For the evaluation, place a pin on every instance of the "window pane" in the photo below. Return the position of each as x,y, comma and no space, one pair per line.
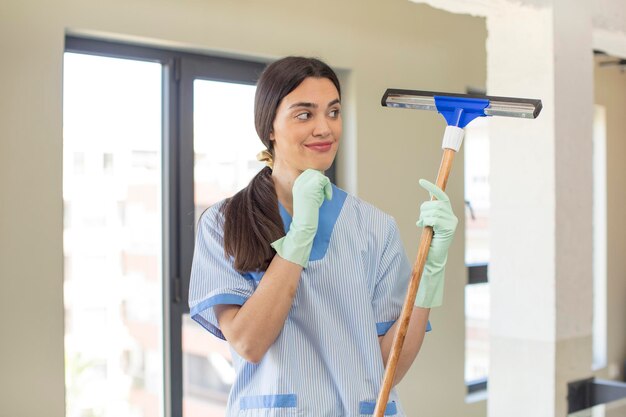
476,148
225,141
112,237
225,148
476,331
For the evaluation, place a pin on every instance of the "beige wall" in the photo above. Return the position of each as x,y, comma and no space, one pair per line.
610,92
380,44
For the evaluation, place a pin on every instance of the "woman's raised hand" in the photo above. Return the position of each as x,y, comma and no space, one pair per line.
309,191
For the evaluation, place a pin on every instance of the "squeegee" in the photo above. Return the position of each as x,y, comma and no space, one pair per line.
458,110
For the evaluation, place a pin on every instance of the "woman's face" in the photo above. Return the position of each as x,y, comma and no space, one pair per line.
307,127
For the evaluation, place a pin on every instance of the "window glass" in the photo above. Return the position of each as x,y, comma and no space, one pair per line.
112,237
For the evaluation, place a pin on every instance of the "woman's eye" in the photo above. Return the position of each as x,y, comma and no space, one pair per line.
303,116
334,113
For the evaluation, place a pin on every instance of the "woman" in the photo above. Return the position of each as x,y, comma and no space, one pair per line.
304,281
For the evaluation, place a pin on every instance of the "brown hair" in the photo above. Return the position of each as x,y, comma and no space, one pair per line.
251,217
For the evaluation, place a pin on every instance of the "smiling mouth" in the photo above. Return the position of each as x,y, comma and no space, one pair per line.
320,147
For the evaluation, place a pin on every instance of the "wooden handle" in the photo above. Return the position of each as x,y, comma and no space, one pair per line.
409,301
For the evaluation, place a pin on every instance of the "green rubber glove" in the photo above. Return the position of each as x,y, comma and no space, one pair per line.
439,215
309,191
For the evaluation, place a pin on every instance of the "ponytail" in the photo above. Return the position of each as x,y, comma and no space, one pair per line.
251,222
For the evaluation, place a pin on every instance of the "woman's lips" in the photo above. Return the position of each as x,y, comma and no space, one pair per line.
320,146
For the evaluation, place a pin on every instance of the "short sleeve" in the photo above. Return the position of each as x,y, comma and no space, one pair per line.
214,280
393,275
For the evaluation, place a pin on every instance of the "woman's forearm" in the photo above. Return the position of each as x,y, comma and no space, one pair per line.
252,328
412,342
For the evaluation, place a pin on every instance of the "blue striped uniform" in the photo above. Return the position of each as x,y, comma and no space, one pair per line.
326,362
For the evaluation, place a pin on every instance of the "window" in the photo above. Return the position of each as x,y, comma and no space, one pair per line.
599,239
147,146
79,163
476,148
112,107
208,376
107,162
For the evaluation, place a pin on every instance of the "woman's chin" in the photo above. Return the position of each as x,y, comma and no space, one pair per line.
321,167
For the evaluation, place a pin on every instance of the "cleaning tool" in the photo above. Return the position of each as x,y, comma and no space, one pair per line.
458,110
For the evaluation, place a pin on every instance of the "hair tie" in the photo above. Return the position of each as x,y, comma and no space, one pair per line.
266,156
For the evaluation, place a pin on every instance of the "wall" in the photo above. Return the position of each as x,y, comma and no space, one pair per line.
393,43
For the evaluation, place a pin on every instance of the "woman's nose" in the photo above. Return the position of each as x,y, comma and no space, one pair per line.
322,128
